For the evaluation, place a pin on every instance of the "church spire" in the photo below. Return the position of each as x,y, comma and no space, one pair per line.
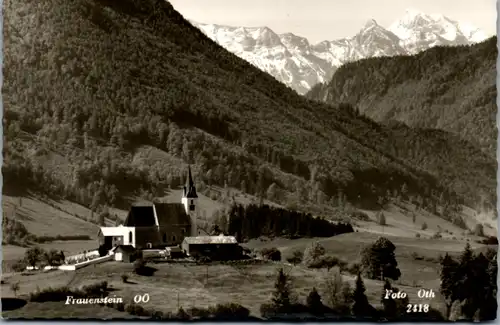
189,188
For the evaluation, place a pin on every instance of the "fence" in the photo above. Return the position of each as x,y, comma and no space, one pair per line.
77,266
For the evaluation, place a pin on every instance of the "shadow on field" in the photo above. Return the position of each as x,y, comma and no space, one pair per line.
146,271
12,303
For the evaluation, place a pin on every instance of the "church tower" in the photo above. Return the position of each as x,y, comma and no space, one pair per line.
189,198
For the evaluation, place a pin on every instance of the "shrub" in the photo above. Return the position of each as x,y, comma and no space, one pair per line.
424,226
124,278
417,235
96,289
140,268
312,253
360,216
327,261
353,268
54,294
490,240
229,310
120,306
137,310
139,264
272,254
20,266
437,235
416,257
157,315
103,251
296,257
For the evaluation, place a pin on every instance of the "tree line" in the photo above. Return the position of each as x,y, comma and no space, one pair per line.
253,221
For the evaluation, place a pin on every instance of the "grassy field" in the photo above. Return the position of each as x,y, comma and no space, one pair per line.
186,285
423,273
57,310
42,219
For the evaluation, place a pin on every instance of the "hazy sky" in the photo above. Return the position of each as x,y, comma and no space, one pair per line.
320,20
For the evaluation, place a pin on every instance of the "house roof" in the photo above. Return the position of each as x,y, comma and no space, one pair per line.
111,231
171,214
211,240
140,216
125,248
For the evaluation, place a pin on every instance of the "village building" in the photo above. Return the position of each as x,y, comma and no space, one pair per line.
125,253
213,246
156,225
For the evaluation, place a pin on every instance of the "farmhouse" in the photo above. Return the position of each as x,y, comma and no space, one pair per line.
156,225
213,246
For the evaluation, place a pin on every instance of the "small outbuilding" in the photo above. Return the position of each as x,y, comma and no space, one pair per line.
174,252
218,247
125,253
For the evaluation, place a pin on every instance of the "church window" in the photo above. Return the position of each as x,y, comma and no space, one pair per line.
183,231
149,245
191,207
130,237
173,238
192,202
164,237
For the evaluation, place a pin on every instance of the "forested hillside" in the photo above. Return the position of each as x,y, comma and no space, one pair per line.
90,84
447,88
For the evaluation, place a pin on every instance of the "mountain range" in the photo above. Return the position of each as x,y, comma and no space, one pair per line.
300,65
448,88
128,93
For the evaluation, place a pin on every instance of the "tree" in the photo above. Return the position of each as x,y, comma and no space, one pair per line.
424,226
479,230
281,295
103,251
53,257
271,192
360,306
389,304
33,256
413,217
469,285
314,302
381,219
312,253
379,260
15,288
333,287
448,285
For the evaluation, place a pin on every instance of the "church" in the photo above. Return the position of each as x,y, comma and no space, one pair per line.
156,225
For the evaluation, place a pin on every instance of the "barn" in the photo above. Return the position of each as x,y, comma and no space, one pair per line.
216,247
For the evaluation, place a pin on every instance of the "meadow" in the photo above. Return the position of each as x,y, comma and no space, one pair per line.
186,285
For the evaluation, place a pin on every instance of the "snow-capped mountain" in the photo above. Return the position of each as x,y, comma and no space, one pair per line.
418,31
300,65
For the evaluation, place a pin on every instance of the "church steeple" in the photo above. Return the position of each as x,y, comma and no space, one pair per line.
189,188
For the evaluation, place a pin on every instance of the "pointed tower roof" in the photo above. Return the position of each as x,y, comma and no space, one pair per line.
189,187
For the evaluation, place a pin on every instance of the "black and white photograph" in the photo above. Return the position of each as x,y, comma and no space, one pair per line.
249,161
